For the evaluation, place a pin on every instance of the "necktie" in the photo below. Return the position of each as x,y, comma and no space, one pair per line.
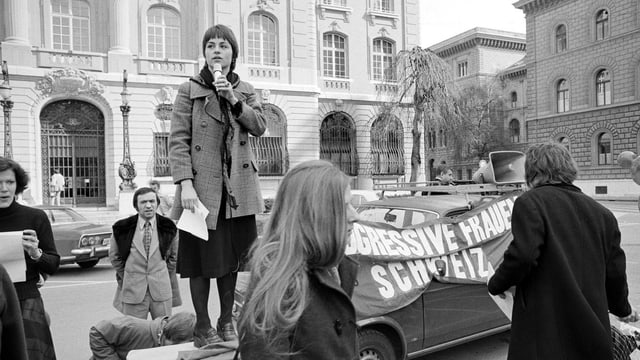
146,238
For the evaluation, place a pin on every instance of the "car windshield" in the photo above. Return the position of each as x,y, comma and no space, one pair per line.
396,216
57,216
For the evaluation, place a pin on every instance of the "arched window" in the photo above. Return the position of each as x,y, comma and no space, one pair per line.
163,33
334,56
387,146
338,142
71,25
565,141
602,24
562,96
603,88
514,99
440,138
270,149
514,131
382,65
561,38
604,149
263,40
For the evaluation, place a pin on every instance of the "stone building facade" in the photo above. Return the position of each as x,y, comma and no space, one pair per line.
489,57
583,82
317,66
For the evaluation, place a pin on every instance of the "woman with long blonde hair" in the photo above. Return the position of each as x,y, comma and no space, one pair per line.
299,301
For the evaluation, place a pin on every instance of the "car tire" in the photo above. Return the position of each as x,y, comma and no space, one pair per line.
374,345
88,264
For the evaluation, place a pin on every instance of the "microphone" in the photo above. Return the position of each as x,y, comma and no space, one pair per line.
217,71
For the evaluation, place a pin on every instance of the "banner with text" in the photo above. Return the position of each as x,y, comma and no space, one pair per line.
398,264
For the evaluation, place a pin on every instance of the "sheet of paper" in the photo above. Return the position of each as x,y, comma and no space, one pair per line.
194,222
12,255
504,303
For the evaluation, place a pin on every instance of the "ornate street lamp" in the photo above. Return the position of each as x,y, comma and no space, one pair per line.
126,170
7,105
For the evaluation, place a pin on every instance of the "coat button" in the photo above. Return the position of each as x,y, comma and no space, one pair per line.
203,124
338,326
194,171
245,165
198,147
243,142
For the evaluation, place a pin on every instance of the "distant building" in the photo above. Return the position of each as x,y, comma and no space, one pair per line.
583,82
493,58
318,67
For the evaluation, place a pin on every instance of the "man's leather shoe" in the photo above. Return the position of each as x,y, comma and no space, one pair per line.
210,337
227,332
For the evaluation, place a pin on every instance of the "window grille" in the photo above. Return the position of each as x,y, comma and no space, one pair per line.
270,149
463,69
161,154
338,143
387,146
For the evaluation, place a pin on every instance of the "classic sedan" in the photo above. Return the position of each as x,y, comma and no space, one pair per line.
77,239
446,314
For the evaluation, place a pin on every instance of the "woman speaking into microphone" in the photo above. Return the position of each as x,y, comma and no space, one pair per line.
212,164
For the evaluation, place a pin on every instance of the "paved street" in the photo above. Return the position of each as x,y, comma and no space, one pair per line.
77,298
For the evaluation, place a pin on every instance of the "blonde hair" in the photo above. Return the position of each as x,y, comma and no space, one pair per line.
307,230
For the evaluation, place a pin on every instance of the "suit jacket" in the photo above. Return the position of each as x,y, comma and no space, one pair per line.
326,330
569,271
196,141
136,273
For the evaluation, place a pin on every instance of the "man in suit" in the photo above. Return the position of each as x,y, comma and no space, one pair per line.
144,251
165,204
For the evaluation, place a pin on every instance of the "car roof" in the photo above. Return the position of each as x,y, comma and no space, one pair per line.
441,204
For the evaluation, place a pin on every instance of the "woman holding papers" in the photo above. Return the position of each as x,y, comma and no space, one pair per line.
212,164
299,299
40,255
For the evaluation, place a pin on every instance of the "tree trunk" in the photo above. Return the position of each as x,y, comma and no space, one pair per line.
416,133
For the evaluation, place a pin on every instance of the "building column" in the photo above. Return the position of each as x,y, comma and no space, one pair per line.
204,22
119,56
16,48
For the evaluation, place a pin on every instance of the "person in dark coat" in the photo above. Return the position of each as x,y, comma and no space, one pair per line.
566,263
40,256
13,345
299,301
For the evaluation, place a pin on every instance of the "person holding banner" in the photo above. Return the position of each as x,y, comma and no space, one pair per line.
299,301
40,256
212,164
566,263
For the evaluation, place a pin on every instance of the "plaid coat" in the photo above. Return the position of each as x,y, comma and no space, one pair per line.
195,149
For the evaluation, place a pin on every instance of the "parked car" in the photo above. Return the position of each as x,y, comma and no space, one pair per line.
77,239
446,314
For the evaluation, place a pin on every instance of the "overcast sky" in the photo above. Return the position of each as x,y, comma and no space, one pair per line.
442,19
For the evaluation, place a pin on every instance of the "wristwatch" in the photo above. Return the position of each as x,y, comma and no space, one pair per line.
37,257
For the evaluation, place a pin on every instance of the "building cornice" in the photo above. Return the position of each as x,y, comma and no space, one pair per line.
480,37
533,6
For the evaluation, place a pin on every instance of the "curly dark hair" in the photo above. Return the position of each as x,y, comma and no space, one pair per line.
22,178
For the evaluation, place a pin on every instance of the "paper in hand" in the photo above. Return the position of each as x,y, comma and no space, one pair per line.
194,221
12,255
504,303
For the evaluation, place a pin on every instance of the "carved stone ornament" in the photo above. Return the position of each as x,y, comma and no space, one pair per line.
69,81
265,95
264,4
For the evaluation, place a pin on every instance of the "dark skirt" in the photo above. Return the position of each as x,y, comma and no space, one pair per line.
225,252
36,330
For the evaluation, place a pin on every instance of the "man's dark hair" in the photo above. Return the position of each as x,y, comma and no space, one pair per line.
22,178
179,327
154,182
142,191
